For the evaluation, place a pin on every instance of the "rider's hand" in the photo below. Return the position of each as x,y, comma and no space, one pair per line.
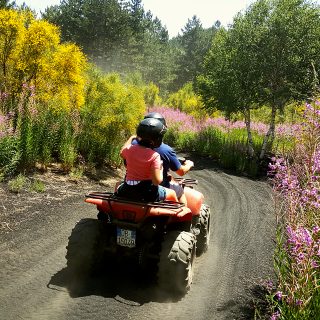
190,163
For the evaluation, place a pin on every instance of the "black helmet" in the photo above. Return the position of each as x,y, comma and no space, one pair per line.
151,131
156,115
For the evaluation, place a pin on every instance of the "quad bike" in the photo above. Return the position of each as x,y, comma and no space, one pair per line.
164,235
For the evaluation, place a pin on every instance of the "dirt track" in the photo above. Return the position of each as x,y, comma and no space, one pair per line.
34,280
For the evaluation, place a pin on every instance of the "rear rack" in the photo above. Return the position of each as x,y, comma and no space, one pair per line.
109,196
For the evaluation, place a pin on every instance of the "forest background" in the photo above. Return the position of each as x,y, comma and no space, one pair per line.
75,83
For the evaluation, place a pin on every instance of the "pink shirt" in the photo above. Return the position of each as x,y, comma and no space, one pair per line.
140,160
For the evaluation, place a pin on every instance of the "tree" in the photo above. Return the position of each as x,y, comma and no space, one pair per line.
194,44
224,86
119,36
291,48
11,31
265,58
7,4
32,56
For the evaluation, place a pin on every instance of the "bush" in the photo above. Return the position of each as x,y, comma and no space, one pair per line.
187,101
296,179
110,114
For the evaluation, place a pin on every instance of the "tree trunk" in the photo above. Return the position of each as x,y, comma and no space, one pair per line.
269,137
247,119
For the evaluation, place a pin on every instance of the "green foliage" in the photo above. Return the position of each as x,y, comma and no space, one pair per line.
67,153
187,101
291,114
37,186
9,155
216,84
119,36
76,173
110,114
268,57
44,134
151,95
5,4
17,184
228,149
21,182
194,44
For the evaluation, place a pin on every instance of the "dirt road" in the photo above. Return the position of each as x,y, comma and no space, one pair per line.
34,280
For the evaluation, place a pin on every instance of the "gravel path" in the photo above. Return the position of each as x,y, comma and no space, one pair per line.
35,283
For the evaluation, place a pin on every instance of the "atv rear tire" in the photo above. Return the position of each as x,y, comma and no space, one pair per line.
176,261
204,235
84,248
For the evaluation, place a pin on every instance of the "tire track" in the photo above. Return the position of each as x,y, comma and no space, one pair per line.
240,253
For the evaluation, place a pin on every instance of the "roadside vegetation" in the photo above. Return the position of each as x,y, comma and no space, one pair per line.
296,295
73,88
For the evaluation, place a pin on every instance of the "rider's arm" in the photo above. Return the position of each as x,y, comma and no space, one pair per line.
157,170
127,144
156,175
184,168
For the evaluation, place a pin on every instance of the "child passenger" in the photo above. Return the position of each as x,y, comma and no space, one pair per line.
143,164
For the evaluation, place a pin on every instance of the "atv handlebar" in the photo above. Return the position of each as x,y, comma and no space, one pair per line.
185,181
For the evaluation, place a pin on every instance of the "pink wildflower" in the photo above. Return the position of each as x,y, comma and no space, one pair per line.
275,315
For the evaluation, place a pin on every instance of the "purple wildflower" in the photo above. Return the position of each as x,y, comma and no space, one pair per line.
269,285
275,315
278,295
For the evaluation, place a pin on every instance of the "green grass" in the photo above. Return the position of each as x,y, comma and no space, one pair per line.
37,186
17,184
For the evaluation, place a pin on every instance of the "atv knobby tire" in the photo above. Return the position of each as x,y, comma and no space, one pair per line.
176,261
204,236
84,248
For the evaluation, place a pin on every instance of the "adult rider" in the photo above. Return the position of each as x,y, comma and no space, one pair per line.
170,162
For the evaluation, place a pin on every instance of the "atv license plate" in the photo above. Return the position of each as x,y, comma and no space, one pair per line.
126,238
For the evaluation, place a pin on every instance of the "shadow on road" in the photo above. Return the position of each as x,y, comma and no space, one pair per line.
255,304
125,283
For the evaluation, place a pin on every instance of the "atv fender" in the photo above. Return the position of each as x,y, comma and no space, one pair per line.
138,210
194,200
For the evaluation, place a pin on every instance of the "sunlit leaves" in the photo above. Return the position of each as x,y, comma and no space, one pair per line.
186,100
64,78
38,44
31,53
11,32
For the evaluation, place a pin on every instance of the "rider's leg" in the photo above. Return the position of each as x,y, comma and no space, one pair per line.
183,199
178,188
171,195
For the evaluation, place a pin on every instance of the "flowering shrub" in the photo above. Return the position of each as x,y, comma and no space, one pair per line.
6,128
9,155
187,101
185,122
297,259
110,114
297,178
224,140
31,53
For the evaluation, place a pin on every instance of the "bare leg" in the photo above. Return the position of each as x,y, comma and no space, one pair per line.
183,199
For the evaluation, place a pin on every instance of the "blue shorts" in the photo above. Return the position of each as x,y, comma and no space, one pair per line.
162,193
178,188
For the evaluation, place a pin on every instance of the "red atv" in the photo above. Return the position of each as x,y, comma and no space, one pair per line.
165,235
